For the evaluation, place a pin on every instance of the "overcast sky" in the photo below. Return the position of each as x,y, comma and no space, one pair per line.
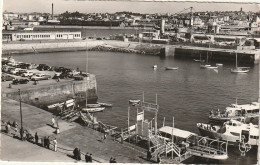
61,6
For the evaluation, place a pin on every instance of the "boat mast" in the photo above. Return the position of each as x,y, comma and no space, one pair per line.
236,59
87,74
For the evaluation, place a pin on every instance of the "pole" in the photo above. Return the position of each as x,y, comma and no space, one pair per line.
172,133
143,96
21,114
163,121
128,120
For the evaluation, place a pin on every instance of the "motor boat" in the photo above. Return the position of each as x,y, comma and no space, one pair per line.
171,68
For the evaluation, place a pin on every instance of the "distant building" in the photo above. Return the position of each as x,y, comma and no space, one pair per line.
22,35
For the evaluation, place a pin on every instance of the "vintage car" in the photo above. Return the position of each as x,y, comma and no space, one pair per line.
38,77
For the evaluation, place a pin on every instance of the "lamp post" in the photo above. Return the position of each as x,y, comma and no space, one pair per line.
21,114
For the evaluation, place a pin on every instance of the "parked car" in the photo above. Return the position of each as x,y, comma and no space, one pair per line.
6,77
15,71
20,81
43,67
40,77
78,78
21,71
27,74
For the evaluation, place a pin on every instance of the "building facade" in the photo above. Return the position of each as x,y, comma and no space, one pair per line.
22,35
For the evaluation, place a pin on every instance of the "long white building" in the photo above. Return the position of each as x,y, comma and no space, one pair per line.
42,35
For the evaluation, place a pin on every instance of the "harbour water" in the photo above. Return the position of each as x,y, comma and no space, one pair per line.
188,93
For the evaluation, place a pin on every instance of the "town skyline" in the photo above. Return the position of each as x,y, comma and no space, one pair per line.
61,6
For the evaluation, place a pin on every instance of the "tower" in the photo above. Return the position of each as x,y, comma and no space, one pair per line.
52,11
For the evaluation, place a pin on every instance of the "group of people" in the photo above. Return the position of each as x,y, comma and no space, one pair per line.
112,160
88,158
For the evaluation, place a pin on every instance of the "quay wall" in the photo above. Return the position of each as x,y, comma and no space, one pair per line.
178,51
43,95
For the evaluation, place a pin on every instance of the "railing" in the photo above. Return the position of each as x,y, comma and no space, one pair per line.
183,157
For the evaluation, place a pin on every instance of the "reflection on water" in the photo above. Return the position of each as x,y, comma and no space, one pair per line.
188,93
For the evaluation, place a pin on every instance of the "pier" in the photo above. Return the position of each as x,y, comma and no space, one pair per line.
163,50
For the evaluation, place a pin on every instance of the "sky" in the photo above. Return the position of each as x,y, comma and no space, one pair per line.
60,6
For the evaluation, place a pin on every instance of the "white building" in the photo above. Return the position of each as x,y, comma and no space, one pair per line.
25,35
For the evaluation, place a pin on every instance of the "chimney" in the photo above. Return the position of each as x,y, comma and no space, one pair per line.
52,10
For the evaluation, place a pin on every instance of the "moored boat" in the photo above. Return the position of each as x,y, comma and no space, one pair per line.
171,68
233,131
92,110
236,111
105,104
134,101
93,105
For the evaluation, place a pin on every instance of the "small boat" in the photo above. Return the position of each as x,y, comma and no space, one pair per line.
219,64
93,105
199,60
134,101
105,104
211,67
236,111
92,110
233,131
204,66
239,69
171,68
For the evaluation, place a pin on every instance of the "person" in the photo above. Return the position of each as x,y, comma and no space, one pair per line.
111,160
158,158
55,144
114,160
57,130
87,157
79,155
36,138
53,122
22,134
76,153
48,142
90,158
149,155
7,128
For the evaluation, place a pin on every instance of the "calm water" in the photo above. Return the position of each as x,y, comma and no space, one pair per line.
188,94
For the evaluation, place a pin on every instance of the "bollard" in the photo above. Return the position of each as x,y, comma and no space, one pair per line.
10,85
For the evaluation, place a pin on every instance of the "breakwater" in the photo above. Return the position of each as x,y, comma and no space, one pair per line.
46,93
163,50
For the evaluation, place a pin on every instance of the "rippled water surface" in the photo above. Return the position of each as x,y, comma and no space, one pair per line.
188,94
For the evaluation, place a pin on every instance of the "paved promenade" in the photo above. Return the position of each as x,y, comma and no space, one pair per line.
71,135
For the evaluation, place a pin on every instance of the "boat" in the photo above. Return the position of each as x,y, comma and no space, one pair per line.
236,111
154,66
199,60
234,131
193,143
207,66
171,68
93,105
105,104
93,110
219,64
134,101
239,69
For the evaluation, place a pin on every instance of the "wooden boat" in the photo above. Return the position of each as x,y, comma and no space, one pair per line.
171,68
134,101
219,64
239,69
105,104
93,110
93,105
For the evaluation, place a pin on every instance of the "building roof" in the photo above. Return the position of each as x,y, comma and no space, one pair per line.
176,132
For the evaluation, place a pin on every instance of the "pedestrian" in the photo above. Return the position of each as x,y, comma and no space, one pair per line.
90,158
111,160
36,138
55,144
158,158
149,155
76,153
53,122
45,142
87,157
22,134
48,142
114,160
57,130
79,155
7,128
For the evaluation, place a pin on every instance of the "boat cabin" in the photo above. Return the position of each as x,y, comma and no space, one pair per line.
168,133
